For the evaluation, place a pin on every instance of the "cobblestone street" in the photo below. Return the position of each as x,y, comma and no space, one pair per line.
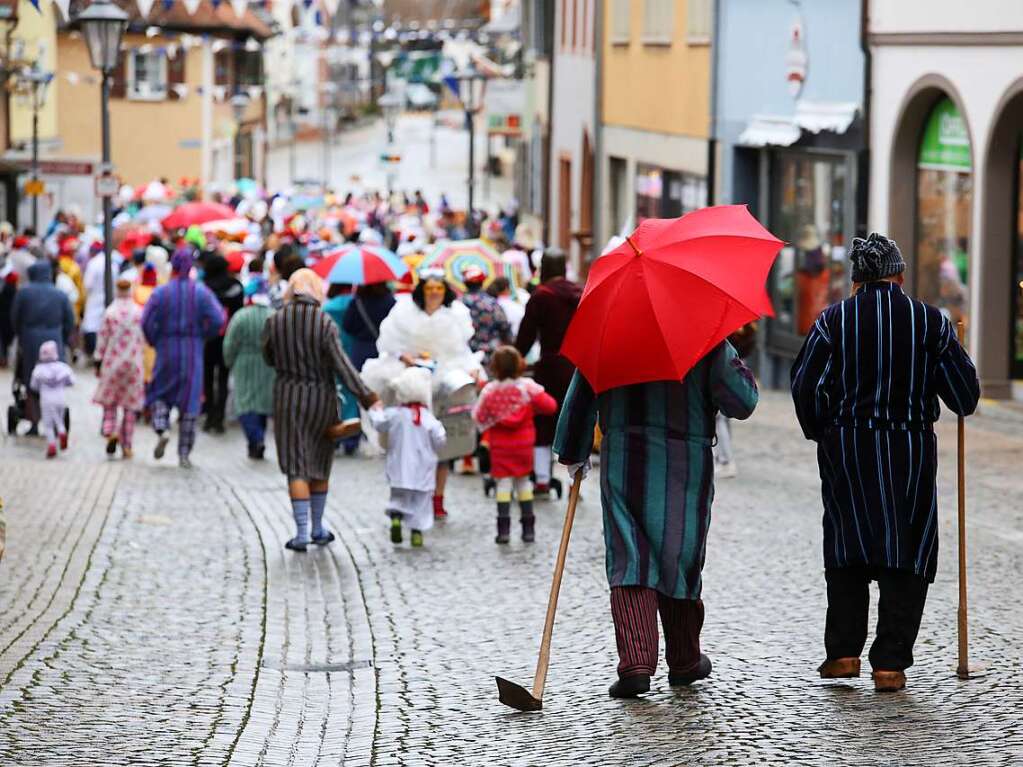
150,615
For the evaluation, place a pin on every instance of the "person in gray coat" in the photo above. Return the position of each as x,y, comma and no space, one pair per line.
40,312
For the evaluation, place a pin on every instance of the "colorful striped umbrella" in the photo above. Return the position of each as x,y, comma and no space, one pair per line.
356,264
455,256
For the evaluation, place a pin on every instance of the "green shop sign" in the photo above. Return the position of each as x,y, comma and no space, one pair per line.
946,142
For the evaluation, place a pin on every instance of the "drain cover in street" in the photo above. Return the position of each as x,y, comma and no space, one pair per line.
315,668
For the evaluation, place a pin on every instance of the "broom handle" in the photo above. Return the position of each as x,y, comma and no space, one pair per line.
963,671
552,604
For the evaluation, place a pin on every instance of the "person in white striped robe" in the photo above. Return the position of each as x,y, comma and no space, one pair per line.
866,387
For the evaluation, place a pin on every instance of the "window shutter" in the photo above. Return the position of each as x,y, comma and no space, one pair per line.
176,73
222,67
119,77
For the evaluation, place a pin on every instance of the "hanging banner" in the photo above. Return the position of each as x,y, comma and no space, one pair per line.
946,141
505,105
191,6
63,5
144,6
239,7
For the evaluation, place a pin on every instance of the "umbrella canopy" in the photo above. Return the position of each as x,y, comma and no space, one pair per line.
455,256
656,304
196,213
360,265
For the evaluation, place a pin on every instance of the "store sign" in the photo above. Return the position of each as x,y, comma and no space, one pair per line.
796,59
506,102
946,141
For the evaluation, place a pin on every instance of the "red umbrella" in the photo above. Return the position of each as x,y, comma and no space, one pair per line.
656,304
196,213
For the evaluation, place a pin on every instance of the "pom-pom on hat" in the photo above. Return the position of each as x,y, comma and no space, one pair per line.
875,258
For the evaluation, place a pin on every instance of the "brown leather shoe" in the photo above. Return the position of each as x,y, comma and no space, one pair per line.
840,668
343,429
888,681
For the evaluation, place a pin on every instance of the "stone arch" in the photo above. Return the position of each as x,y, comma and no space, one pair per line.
921,98
998,222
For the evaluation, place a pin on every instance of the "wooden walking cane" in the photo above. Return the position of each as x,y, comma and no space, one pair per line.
510,693
963,671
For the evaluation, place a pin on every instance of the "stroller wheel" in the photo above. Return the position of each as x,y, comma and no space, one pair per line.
12,420
67,425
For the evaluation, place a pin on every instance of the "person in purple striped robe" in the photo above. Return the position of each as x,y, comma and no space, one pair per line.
656,488
178,319
866,387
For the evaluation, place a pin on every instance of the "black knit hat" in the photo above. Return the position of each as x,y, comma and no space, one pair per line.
875,258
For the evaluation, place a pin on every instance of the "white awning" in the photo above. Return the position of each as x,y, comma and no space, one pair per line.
764,130
817,116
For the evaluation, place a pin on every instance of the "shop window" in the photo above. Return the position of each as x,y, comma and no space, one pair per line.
667,194
147,75
944,188
658,21
621,21
809,212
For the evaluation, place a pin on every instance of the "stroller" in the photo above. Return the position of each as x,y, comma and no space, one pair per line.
25,408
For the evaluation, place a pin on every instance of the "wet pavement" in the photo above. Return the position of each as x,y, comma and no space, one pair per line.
150,615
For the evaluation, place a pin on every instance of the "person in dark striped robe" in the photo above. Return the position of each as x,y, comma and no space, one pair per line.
656,488
302,344
866,387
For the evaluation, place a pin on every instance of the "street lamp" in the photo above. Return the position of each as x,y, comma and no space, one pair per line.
103,25
471,87
31,83
239,103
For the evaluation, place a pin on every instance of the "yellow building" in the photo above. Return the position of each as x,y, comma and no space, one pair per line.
171,111
655,107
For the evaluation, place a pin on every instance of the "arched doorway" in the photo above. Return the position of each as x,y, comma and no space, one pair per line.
931,194
1001,288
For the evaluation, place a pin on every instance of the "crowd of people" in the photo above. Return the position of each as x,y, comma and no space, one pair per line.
234,319
218,320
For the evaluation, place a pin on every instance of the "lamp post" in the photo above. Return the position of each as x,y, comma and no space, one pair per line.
471,87
103,25
239,103
391,105
31,83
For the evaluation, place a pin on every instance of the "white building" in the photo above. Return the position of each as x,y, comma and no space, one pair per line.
572,136
946,137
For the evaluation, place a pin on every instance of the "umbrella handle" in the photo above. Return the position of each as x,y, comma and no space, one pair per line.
552,603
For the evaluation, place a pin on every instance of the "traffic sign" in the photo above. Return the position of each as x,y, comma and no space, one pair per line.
34,187
107,185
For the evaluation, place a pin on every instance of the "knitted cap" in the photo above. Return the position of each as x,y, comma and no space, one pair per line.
875,258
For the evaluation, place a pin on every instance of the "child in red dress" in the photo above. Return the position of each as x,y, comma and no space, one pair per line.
505,411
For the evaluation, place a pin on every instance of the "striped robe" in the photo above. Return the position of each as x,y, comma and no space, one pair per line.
243,353
657,470
866,386
178,319
301,343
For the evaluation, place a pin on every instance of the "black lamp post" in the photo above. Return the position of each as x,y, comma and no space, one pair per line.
471,87
31,82
103,25
239,103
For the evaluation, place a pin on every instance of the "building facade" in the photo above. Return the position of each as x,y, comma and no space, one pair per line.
790,142
947,162
172,89
655,106
571,172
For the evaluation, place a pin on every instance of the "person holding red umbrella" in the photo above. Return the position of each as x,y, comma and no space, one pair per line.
654,369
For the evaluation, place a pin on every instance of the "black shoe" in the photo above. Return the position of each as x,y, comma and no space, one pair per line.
219,428
528,529
295,545
701,671
111,445
323,540
396,529
503,527
259,452
629,686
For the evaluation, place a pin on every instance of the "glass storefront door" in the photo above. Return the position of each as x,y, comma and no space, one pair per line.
810,211
944,189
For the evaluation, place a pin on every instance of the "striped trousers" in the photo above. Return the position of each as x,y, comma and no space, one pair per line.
634,610
186,426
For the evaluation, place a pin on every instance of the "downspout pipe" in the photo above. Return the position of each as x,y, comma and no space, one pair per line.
712,164
599,163
863,165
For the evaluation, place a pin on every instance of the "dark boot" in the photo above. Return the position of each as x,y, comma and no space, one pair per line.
528,521
700,671
503,522
630,686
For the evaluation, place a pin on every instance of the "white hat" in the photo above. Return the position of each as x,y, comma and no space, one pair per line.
413,384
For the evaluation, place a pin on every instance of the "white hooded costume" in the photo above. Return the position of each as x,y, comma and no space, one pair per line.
443,337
